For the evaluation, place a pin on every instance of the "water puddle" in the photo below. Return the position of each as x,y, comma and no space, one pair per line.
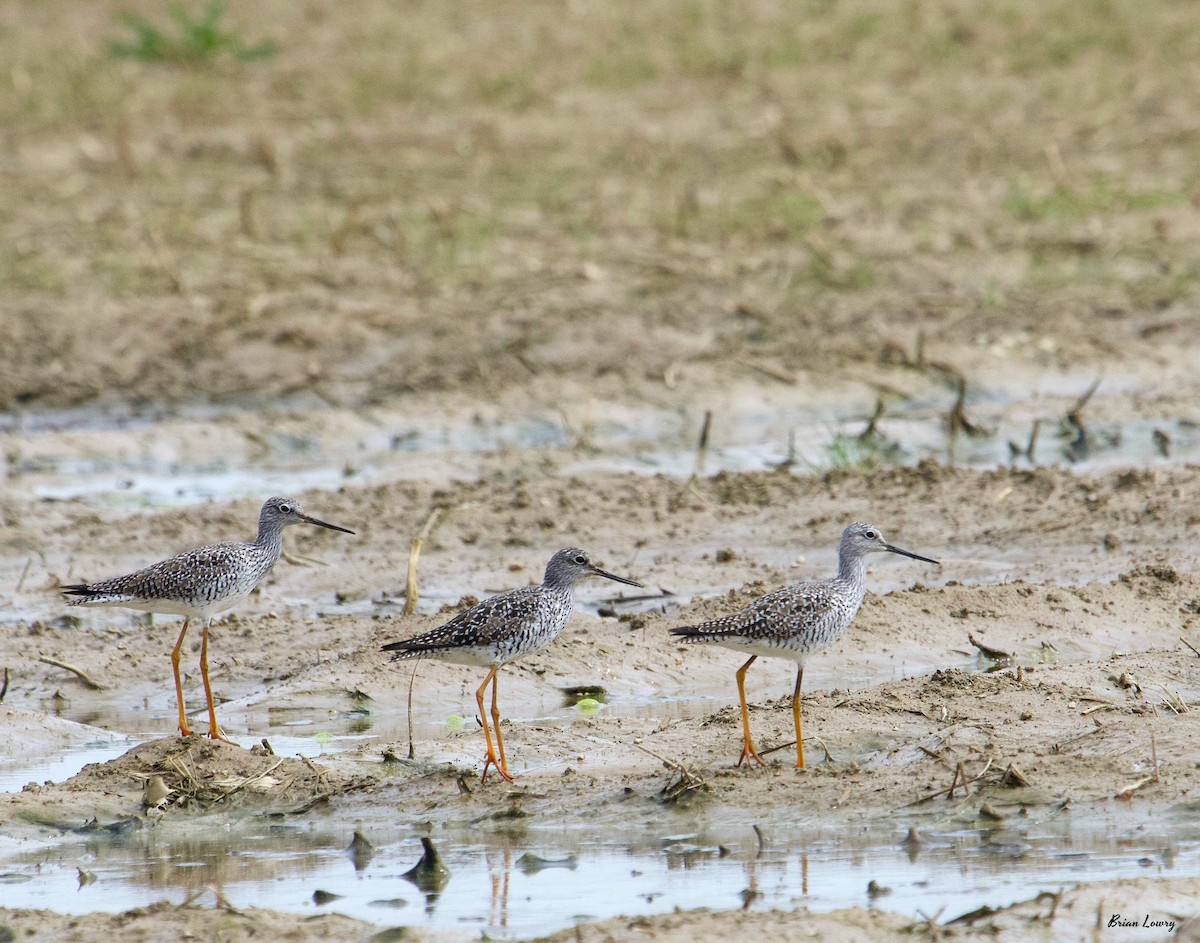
64,764
205,453
550,880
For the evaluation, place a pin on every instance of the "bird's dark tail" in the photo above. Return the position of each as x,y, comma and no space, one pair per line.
78,589
694,633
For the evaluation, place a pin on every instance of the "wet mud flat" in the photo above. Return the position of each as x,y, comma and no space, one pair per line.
1013,725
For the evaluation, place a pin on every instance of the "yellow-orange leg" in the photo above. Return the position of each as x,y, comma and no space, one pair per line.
503,765
747,743
491,759
213,730
796,718
184,729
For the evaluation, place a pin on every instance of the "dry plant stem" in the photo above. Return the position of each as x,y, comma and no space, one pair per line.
989,651
411,680
414,554
24,573
252,779
965,783
702,445
299,560
1195,650
775,374
78,672
1075,414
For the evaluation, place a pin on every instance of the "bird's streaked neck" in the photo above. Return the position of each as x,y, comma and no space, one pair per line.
270,537
852,568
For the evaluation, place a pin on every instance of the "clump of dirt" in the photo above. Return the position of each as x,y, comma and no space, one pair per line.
201,775
164,921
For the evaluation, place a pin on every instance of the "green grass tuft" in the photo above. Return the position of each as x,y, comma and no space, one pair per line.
194,40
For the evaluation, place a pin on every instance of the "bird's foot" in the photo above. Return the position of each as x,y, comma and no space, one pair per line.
490,761
749,751
215,733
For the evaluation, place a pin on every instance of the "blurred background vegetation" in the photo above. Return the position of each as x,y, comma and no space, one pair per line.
221,201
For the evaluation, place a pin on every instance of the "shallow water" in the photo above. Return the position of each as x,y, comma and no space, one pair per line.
202,453
583,876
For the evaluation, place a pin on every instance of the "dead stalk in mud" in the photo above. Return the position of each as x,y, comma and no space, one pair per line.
412,679
82,675
24,573
414,554
1195,650
702,445
689,779
297,559
998,654
960,779
767,371
792,743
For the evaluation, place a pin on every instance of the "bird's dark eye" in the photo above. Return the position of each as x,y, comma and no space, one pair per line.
871,535
285,509
581,560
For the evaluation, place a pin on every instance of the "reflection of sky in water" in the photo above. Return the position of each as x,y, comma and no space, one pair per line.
747,436
493,888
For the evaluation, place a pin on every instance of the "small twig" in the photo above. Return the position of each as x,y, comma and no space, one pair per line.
959,773
998,654
414,554
872,428
24,573
411,750
4,688
78,672
1128,791
702,445
298,560
775,374
957,420
689,779
954,785
1195,650
251,779
1075,413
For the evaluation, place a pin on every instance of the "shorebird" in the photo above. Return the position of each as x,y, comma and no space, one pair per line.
795,621
197,584
503,628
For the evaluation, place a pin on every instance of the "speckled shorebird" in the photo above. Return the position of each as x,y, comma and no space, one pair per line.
197,584
797,620
503,628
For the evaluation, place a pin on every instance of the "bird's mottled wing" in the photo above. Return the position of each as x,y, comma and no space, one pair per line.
774,617
483,625
184,576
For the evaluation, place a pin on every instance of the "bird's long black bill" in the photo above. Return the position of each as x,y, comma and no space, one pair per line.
616,579
313,520
915,556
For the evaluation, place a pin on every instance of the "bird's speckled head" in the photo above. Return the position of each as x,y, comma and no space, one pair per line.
278,513
569,566
861,538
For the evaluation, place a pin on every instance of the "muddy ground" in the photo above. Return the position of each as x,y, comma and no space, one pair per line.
486,268
1099,686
